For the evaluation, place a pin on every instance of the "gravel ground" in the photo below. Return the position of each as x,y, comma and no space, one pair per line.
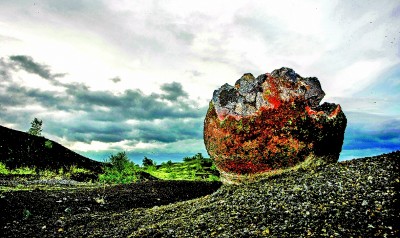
45,211
357,198
52,182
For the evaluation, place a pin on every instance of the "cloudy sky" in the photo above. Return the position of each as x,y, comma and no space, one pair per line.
106,76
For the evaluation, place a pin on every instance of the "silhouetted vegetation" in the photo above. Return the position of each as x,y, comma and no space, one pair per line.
36,127
147,162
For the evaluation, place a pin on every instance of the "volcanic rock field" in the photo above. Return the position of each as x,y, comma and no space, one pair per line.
357,198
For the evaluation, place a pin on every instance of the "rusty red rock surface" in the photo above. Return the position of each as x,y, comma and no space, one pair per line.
271,122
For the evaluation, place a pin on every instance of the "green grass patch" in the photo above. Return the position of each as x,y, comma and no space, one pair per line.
196,168
44,174
3,169
120,170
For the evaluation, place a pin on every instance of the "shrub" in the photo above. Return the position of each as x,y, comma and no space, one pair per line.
168,169
167,165
48,144
24,170
75,170
147,162
151,168
198,157
47,174
198,167
79,174
121,170
3,169
188,159
172,175
119,160
118,177
192,175
213,178
110,176
213,167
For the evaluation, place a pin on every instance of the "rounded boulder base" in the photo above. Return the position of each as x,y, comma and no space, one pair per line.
271,123
233,178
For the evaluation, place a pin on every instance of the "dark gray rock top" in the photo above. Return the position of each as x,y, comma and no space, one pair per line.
248,94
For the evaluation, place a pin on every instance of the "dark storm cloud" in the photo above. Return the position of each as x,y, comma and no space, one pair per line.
5,68
101,115
170,130
132,104
29,65
173,91
20,95
88,130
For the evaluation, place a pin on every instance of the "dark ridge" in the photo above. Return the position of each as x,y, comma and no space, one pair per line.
20,149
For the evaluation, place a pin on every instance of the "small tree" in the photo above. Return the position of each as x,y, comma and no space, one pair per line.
48,144
119,161
187,159
121,171
198,156
36,127
169,163
147,162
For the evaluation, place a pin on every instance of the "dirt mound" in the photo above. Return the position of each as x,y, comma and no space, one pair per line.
20,149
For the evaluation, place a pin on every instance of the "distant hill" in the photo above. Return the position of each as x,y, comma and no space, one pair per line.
20,149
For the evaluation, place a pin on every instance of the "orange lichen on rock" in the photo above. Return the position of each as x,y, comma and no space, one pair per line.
271,122
335,112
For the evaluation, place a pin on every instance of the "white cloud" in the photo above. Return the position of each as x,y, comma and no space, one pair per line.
202,45
356,77
124,145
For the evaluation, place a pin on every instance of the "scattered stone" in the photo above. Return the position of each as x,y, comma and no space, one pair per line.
271,122
59,223
68,210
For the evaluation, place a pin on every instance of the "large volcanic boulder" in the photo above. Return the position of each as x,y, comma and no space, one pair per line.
271,122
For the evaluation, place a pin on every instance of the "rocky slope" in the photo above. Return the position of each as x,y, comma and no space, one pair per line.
356,198
18,149
48,211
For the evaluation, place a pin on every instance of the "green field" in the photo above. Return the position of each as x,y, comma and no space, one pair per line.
193,169
120,170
